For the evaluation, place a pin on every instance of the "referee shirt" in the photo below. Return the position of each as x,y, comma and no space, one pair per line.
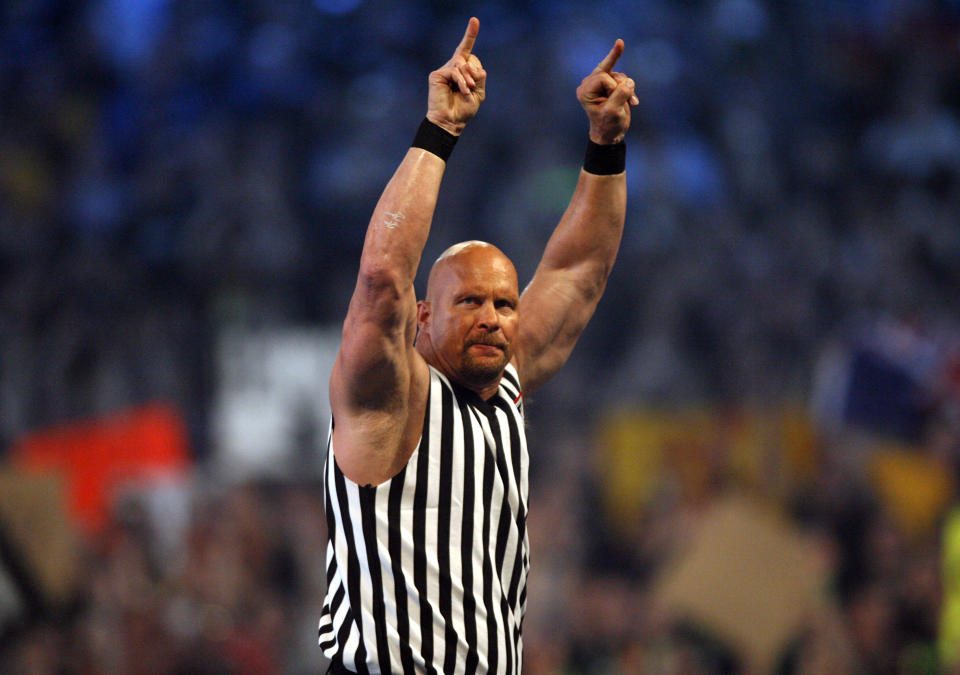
426,573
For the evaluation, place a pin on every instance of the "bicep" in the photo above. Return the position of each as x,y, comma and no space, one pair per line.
372,369
378,380
554,309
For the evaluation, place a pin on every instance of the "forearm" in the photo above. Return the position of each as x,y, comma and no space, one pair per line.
585,242
378,377
379,326
573,272
401,220
400,223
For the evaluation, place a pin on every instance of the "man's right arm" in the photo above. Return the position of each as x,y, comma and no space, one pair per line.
378,372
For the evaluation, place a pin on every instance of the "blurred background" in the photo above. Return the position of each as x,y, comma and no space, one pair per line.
748,466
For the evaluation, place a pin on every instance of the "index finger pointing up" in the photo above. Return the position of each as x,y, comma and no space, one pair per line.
469,37
610,60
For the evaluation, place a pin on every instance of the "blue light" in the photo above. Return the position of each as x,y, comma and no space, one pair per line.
337,6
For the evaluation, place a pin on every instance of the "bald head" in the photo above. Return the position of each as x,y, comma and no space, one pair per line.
468,320
468,257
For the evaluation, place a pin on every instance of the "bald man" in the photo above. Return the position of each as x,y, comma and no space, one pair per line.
426,473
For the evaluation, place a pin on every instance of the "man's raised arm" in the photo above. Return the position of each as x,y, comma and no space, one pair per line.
376,368
572,274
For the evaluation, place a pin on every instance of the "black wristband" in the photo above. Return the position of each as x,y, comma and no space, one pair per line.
605,160
434,139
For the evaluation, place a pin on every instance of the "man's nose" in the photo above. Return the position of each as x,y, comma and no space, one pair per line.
488,319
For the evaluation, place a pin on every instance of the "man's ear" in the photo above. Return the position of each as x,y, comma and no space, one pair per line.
423,313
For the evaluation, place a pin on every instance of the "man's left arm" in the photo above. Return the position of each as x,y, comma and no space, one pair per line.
572,274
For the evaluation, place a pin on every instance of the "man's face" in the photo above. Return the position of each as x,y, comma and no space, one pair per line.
471,320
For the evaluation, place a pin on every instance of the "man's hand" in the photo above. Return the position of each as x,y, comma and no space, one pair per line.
459,86
607,96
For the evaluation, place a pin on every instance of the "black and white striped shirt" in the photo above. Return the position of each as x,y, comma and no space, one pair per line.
427,572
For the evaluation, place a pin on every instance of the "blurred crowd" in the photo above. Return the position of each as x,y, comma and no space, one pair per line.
170,170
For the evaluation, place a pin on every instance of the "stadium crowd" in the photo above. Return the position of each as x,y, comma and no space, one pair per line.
172,169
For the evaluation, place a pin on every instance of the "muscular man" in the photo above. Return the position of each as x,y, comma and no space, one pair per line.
426,473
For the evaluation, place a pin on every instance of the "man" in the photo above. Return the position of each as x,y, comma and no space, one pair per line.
426,474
